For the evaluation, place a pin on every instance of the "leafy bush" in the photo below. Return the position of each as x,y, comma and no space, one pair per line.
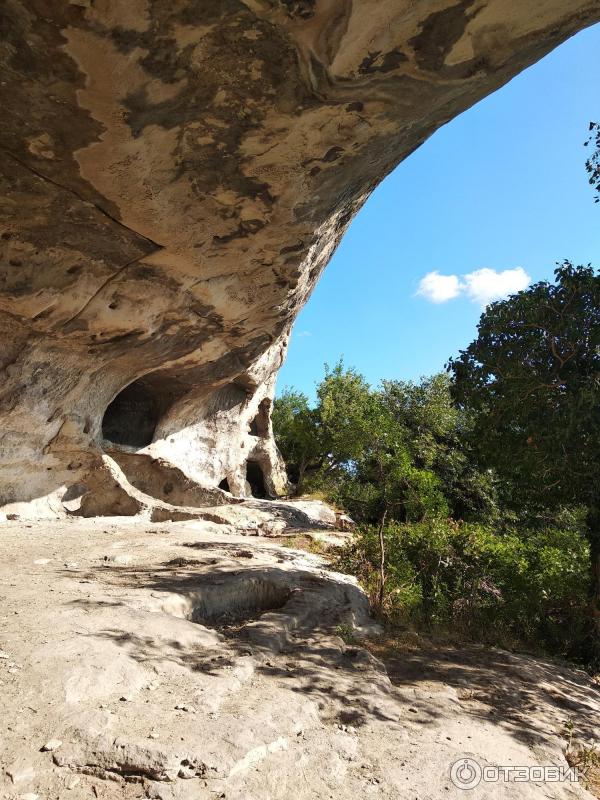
525,587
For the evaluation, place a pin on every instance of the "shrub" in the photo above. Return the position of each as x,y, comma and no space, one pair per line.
525,587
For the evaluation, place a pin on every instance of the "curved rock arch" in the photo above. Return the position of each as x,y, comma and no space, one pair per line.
175,178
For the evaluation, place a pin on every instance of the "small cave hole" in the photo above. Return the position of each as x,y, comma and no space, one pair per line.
256,479
73,496
260,424
132,417
74,492
224,485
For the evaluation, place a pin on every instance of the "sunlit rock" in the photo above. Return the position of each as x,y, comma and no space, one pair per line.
175,177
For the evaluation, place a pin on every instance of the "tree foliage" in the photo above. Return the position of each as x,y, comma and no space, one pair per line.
592,165
437,435
532,381
443,539
298,434
397,451
509,589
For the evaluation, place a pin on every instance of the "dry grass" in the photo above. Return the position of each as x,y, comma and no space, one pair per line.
303,541
587,759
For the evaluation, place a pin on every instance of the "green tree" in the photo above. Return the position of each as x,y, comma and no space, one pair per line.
437,433
532,377
385,481
382,482
298,436
345,416
379,477
323,441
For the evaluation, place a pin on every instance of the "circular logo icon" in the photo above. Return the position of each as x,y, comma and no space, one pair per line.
465,773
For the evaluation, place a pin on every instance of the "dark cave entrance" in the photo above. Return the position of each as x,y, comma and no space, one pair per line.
133,415
260,424
256,479
224,485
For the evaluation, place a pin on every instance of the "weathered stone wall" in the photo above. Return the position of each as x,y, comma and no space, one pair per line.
176,175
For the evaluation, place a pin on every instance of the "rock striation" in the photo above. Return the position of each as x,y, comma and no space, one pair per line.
175,177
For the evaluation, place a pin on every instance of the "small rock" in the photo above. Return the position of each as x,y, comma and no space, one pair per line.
126,698
3,654
344,522
188,770
52,744
29,796
181,707
273,527
121,558
413,710
20,772
154,735
42,561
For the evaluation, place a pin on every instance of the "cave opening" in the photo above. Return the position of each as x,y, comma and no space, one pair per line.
224,485
260,424
256,480
131,418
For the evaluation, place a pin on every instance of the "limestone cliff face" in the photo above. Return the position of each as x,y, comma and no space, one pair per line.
175,176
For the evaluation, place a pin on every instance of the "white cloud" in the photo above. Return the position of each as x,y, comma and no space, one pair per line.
485,285
302,334
439,288
482,286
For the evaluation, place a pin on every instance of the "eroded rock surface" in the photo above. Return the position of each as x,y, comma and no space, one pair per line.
186,662
175,176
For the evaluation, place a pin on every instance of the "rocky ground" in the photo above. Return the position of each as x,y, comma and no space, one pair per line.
182,660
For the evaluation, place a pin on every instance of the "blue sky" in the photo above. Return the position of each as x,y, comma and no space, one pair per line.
501,187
